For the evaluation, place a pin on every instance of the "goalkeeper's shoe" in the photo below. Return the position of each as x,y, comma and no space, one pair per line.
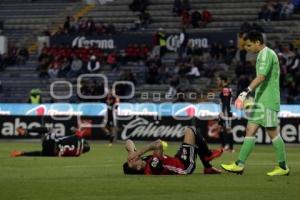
233,168
278,171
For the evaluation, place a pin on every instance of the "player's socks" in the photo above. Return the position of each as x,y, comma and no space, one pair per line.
205,163
246,149
202,145
111,138
279,147
32,153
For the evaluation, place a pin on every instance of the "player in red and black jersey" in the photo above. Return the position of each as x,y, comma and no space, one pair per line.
225,116
184,161
52,145
111,128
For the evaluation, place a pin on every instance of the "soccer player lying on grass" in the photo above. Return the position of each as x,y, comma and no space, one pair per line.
184,162
52,145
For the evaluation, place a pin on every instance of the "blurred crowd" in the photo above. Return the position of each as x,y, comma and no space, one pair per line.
70,62
189,17
85,26
276,10
14,56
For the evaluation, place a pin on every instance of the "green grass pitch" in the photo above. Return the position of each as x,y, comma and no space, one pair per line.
98,175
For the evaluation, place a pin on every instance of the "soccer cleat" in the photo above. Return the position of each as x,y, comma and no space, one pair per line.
16,153
214,154
233,168
278,171
212,170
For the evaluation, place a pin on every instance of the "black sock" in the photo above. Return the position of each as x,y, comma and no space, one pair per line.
223,138
205,163
202,145
32,153
282,165
230,140
111,138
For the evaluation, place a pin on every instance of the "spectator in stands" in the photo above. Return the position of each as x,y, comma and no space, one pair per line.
93,65
287,10
54,67
90,25
294,65
144,51
277,10
214,51
152,76
64,67
145,19
139,5
183,41
206,17
85,90
196,19
221,51
177,7
23,55
4,61
163,75
112,60
76,67
186,5
67,22
266,11
162,40
125,89
35,96
185,19
110,29
231,52
193,73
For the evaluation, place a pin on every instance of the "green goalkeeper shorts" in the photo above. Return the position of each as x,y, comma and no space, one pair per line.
263,116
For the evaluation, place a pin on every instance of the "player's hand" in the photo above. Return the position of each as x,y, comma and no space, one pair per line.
133,156
239,102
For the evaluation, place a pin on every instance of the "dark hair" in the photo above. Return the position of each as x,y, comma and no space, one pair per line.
86,147
128,170
255,36
223,77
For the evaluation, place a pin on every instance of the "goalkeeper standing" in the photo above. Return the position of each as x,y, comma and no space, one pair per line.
266,107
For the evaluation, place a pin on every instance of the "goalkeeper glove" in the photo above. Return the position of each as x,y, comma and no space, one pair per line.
239,102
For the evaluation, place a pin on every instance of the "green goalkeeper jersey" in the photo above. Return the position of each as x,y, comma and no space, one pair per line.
268,92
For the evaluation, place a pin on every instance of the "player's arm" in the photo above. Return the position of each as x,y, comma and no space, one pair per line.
257,81
130,146
41,130
155,146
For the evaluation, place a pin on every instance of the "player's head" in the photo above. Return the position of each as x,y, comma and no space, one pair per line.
86,147
134,167
254,41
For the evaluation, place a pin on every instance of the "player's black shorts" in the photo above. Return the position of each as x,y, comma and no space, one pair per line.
187,154
110,118
48,146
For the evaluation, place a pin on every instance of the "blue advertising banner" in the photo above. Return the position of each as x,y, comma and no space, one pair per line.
55,109
189,110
